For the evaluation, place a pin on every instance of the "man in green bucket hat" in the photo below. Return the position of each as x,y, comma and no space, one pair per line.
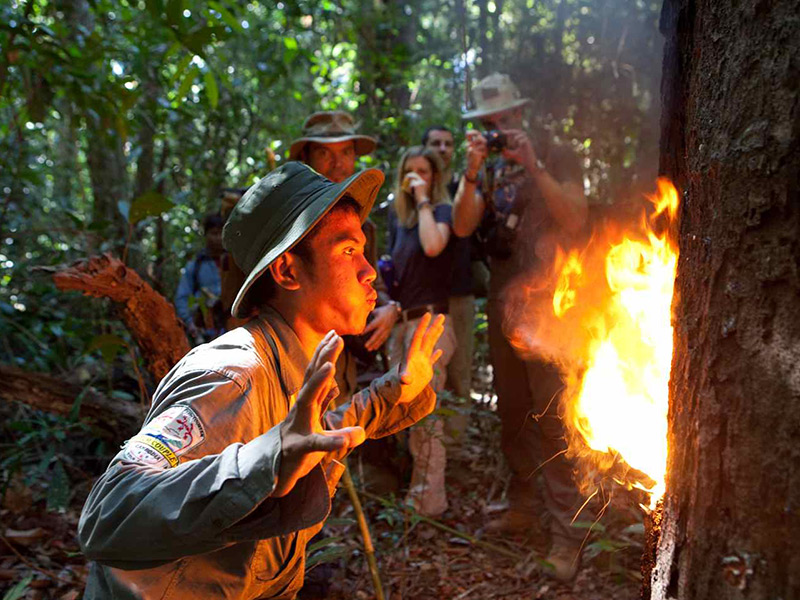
231,474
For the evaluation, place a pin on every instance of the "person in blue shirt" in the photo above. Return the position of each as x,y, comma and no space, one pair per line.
422,255
197,298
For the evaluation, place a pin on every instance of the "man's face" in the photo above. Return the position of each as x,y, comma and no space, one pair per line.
335,161
336,283
442,142
509,119
214,241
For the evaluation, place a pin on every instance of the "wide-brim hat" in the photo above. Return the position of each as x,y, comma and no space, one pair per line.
330,127
278,211
494,94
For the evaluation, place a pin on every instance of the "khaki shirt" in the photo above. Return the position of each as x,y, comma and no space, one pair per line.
184,510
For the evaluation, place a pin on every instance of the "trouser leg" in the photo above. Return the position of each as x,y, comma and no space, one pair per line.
532,435
459,369
561,495
426,438
518,434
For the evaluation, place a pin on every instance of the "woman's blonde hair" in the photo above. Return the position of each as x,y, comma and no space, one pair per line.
404,201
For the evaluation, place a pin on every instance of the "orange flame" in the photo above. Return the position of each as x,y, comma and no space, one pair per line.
610,332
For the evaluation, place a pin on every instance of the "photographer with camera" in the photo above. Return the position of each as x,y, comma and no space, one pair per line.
520,202
422,254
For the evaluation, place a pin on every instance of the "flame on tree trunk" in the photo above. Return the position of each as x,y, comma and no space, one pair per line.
602,313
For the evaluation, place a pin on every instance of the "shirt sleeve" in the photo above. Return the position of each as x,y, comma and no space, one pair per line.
181,487
443,213
377,410
184,292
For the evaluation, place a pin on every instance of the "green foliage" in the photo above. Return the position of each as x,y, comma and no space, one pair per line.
43,448
329,549
18,590
121,120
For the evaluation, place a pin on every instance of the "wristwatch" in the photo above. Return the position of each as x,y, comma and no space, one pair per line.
396,305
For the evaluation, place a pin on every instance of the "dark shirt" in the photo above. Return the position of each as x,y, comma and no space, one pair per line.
462,254
516,192
422,279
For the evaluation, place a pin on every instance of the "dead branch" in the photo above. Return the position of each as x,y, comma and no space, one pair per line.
149,316
52,394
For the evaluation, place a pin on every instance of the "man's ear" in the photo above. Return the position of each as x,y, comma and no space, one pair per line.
284,271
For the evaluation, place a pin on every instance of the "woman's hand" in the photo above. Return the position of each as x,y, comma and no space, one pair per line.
417,187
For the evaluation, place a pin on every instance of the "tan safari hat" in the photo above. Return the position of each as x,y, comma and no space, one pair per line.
330,127
493,94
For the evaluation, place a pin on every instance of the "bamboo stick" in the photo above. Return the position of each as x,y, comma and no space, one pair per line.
369,550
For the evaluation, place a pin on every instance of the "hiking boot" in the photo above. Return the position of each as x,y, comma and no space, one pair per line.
513,521
564,558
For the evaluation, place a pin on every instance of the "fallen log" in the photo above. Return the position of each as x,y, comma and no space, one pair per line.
53,394
149,316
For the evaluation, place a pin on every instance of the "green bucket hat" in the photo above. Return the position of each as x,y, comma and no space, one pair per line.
279,210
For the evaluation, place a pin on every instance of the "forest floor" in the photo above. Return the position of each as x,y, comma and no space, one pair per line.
453,557
449,558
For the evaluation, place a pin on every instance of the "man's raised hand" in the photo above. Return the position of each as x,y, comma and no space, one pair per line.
416,370
304,442
328,350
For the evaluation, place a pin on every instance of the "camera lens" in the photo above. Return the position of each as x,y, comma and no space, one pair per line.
495,140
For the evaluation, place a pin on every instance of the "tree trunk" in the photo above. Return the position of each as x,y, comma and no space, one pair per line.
52,394
105,156
731,110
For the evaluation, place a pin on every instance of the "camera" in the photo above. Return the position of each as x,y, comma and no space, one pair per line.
496,140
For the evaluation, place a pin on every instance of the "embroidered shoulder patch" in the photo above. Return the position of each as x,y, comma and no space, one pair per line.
171,434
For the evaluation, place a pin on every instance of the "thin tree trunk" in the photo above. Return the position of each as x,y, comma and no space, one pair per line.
730,137
66,163
485,66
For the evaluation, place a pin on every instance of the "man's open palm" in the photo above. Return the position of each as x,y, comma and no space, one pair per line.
304,442
416,371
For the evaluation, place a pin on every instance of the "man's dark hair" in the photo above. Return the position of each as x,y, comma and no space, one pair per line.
212,221
264,288
427,133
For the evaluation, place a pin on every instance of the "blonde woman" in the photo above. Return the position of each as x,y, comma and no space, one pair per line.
423,262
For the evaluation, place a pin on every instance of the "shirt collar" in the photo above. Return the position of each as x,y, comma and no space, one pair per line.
291,357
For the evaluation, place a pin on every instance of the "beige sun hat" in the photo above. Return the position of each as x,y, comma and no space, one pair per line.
330,127
493,94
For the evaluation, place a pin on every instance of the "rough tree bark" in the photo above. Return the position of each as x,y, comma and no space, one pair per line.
730,133
149,316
